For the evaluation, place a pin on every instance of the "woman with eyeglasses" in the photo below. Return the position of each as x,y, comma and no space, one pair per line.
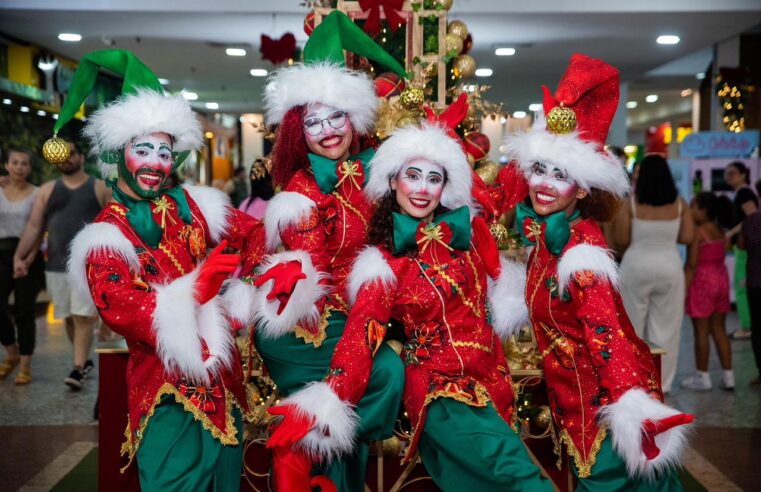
320,221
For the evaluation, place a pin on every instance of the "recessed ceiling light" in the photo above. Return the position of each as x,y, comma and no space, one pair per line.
70,37
667,39
7,101
686,92
651,98
235,52
631,104
258,72
535,107
41,113
212,105
700,76
163,81
55,116
504,51
189,96
24,109
484,72
519,114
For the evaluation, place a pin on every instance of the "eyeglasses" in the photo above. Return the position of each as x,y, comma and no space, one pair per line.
314,126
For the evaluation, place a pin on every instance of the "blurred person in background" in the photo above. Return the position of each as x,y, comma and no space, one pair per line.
16,200
648,228
237,188
62,207
750,241
255,204
707,282
737,175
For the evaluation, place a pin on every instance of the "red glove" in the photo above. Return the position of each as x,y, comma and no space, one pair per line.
291,429
651,428
486,246
213,272
291,470
285,276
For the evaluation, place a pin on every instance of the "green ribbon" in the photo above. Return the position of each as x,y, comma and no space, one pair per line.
557,227
405,229
139,213
325,170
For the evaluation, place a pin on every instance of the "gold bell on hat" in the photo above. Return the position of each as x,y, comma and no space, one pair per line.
561,120
56,150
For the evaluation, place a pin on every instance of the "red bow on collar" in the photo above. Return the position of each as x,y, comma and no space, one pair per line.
390,7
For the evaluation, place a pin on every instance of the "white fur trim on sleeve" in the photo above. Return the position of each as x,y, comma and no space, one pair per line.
238,301
215,207
586,257
95,238
507,301
301,308
180,322
625,418
369,266
335,421
284,209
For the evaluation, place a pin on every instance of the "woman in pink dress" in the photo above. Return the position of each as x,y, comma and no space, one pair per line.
708,288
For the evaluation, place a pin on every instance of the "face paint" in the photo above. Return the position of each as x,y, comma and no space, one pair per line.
418,187
147,163
328,131
551,190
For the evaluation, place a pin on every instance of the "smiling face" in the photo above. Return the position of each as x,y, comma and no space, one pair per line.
328,131
147,163
552,191
418,188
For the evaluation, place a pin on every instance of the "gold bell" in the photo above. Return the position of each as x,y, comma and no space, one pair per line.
561,120
56,150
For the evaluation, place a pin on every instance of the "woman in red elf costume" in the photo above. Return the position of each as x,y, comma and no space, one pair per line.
428,271
604,390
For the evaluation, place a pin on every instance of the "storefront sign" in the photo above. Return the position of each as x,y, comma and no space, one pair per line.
719,144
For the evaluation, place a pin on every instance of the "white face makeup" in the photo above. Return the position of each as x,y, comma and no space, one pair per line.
148,160
327,131
551,190
418,187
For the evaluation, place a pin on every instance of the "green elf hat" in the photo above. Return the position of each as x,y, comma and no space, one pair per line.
324,78
143,108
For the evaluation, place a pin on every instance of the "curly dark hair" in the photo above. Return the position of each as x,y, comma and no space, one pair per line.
381,231
718,208
599,205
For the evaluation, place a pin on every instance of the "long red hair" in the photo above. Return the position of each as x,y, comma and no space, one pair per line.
290,152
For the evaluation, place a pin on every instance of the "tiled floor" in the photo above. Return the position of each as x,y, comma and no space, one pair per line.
44,425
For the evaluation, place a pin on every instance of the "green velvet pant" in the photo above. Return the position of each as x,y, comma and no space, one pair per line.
609,474
292,364
178,454
473,449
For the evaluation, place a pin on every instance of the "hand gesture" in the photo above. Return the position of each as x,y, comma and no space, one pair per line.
213,272
285,276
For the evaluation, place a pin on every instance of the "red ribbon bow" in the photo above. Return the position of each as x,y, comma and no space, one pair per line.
390,7
450,117
278,50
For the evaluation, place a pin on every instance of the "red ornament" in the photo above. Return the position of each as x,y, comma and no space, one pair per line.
309,23
373,8
388,84
467,44
278,50
477,145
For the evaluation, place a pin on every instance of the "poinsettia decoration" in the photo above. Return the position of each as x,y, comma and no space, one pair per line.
278,50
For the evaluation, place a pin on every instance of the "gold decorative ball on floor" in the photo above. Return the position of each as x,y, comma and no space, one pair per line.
544,417
561,120
56,150
458,28
499,233
464,66
392,446
412,98
454,43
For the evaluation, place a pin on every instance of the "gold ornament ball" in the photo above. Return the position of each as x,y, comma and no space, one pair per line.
412,98
458,28
56,150
544,417
561,120
443,4
500,235
454,42
471,160
464,66
392,446
395,345
488,171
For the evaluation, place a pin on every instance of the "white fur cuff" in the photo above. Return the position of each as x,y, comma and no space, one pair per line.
285,209
507,301
239,301
335,420
586,257
301,306
625,418
370,266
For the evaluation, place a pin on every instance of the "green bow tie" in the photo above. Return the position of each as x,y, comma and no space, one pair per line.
139,213
557,229
331,173
406,231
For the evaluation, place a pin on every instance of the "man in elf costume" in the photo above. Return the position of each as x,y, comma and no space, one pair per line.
604,390
144,261
325,113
